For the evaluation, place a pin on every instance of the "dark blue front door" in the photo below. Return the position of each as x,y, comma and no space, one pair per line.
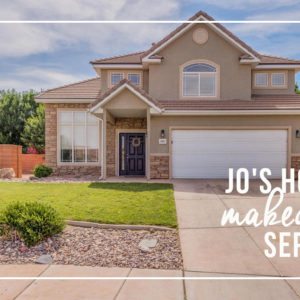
132,154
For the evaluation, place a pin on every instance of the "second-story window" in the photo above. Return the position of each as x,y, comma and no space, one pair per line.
261,79
270,80
199,80
278,79
116,78
134,78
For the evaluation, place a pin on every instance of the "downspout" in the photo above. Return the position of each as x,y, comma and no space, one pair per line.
102,152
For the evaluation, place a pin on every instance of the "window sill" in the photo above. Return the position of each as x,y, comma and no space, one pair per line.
200,98
78,164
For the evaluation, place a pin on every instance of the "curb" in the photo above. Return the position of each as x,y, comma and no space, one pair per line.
114,226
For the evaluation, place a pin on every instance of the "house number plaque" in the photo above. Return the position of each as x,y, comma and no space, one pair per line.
162,141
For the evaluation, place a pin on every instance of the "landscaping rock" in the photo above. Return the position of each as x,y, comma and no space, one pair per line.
146,244
44,260
100,247
7,173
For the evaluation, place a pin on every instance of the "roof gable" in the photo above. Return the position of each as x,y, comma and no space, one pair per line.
117,89
229,36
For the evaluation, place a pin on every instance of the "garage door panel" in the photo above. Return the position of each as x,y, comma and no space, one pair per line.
210,153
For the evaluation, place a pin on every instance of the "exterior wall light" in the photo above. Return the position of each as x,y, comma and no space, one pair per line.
297,133
162,134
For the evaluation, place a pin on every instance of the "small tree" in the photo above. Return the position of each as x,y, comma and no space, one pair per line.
15,109
297,89
34,130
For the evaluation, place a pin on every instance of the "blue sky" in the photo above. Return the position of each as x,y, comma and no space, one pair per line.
46,56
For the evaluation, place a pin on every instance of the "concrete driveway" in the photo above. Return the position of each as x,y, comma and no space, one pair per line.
212,250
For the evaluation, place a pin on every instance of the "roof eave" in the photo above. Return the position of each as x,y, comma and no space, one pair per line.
230,112
118,65
277,66
63,100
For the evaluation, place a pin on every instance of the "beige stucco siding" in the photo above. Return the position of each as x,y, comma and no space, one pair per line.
235,78
125,100
104,82
283,91
159,123
146,81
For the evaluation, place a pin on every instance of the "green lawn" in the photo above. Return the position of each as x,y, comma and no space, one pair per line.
114,203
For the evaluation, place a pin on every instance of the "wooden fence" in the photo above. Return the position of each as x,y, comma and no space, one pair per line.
29,161
11,157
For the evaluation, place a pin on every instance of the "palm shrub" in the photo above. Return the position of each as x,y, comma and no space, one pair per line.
32,221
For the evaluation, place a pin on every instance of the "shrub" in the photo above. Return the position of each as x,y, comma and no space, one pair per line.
33,221
42,171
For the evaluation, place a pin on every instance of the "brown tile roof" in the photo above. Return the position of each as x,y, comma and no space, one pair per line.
258,102
87,89
131,58
270,59
114,88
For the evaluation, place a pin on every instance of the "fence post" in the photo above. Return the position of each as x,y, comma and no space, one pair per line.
19,161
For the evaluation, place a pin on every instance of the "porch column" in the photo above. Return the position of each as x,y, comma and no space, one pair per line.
148,144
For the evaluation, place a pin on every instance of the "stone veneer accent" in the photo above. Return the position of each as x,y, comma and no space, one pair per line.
159,166
120,123
296,164
51,143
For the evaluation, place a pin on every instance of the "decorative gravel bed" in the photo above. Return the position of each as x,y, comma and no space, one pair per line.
100,247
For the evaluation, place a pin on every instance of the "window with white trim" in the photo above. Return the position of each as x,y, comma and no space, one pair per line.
261,79
116,78
278,79
270,80
79,137
135,78
199,80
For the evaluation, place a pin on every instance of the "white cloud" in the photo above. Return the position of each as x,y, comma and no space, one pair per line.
258,30
274,38
23,40
250,5
87,9
23,79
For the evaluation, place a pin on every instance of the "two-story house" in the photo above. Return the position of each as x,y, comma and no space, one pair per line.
196,103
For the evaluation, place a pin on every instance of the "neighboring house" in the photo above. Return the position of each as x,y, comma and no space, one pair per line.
196,103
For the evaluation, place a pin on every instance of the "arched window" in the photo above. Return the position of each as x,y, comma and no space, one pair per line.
199,80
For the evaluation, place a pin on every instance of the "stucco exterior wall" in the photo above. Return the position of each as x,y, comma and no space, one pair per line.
235,79
159,123
126,100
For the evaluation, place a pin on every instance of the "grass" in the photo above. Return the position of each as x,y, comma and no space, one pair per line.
111,203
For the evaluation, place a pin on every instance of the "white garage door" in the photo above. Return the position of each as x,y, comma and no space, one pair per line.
210,153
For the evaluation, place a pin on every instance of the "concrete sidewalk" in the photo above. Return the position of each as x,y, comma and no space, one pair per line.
30,289
88,289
